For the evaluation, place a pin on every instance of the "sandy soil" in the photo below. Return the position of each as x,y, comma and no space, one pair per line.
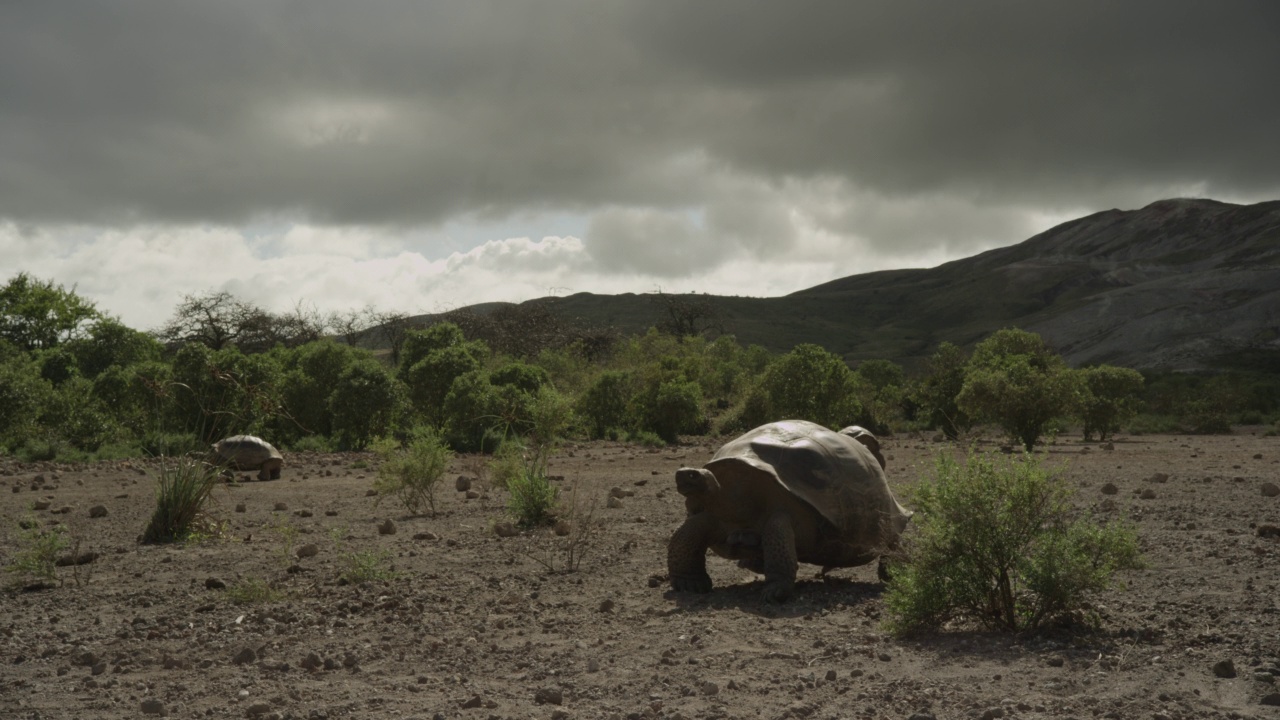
478,626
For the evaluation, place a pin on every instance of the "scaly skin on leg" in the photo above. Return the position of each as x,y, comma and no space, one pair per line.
780,563
687,553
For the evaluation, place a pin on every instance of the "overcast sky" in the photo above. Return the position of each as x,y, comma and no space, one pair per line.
421,156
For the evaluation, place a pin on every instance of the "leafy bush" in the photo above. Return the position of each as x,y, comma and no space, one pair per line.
807,383
364,566
311,373
363,404
183,488
111,343
996,542
418,344
1111,398
646,439
1015,381
312,443
412,473
880,392
603,406
533,497
470,412
430,379
23,394
936,393
522,376
38,314
671,408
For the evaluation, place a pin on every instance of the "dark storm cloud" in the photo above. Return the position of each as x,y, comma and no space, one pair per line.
409,113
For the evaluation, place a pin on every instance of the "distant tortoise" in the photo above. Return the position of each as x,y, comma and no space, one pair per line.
786,492
249,452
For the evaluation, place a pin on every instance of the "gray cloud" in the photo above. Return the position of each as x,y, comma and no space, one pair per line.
408,113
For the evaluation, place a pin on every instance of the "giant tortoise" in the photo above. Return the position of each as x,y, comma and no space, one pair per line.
249,452
783,493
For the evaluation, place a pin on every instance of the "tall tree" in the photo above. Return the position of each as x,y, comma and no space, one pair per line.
38,314
1017,382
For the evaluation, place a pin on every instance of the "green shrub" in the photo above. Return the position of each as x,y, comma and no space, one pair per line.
471,410
807,383
523,376
183,488
312,443
647,439
1146,424
364,566
670,408
996,542
937,391
1111,398
1207,418
36,559
363,404
603,406
254,591
42,449
1015,381
412,474
533,497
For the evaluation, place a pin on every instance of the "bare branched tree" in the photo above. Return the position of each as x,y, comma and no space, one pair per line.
219,319
688,315
351,325
528,329
390,326
215,319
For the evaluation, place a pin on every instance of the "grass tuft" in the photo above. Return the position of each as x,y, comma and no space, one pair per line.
183,487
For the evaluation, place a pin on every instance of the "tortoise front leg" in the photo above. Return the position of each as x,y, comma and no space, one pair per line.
779,539
687,553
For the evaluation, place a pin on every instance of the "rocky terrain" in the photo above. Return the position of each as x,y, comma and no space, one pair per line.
254,620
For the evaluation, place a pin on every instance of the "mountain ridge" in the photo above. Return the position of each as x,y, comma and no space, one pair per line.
1173,285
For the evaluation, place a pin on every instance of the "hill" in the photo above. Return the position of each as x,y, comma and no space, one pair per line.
1180,284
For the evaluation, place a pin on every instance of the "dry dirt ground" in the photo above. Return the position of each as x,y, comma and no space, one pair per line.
477,626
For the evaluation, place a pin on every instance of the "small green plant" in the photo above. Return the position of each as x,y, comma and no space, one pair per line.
35,562
362,566
288,533
183,488
533,497
254,591
357,567
577,531
996,541
412,474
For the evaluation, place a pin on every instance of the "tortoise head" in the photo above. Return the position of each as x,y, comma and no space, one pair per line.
865,437
697,485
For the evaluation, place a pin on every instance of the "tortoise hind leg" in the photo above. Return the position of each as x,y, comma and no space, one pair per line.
779,539
687,553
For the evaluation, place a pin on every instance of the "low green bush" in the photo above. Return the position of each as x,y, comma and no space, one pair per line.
533,497
312,443
996,541
412,473
646,438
